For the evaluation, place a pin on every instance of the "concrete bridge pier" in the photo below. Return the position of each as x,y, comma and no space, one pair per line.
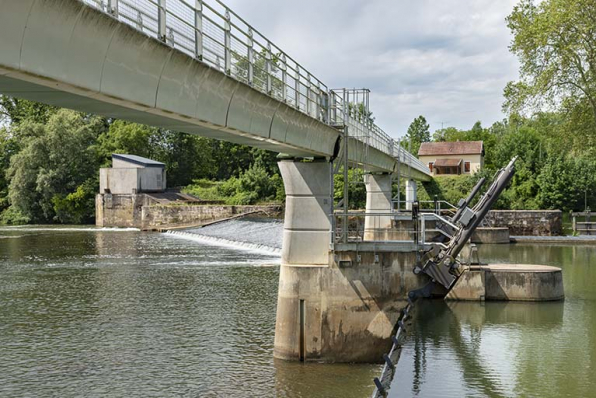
305,254
378,200
411,193
334,305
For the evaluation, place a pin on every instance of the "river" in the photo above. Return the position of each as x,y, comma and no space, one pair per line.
87,312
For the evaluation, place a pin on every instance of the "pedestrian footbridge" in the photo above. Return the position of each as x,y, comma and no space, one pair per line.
187,65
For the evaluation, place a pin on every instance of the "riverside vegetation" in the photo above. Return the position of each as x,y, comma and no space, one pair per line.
49,157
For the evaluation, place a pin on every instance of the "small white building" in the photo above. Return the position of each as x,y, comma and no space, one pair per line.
132,174
452,158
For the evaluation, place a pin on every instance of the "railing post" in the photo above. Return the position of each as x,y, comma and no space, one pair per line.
284,78
113,7
268,69
331,111
161,20
308,95
325,107
139,20
297,87
251,57
398,175
199,29
228,43
422,229
346,192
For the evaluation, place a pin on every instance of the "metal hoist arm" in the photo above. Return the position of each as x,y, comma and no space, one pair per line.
442,267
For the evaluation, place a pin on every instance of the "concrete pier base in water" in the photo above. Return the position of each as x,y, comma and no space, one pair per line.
340,303
509,282
346,311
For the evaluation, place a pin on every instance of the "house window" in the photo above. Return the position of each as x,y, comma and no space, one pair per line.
430,166
466,167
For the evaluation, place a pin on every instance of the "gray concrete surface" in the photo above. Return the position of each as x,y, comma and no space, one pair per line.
510,282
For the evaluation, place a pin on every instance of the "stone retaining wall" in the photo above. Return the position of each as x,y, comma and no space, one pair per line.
140,211
527,222
156,216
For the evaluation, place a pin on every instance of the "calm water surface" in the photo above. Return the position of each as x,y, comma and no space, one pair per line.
103,313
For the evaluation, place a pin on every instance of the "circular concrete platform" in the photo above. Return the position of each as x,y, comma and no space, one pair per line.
519,268
522,282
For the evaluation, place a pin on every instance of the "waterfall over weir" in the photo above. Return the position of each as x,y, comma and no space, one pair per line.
252,234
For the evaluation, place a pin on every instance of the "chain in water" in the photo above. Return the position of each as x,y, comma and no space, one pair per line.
383,382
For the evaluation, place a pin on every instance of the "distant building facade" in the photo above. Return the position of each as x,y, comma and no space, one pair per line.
132,174
452,158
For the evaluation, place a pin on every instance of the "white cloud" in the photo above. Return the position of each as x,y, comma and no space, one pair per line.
447,60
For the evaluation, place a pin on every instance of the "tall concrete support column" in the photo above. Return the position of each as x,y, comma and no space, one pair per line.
378,200
305,252
309,203
411,193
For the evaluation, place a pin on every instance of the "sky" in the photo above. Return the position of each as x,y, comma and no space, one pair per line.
447,60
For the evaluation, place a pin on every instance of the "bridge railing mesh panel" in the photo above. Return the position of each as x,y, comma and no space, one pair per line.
212,33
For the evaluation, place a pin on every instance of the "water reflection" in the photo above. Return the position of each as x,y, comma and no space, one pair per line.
508,349
114,314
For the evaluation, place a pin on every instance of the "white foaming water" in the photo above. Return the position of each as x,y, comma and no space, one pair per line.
264,231
234,244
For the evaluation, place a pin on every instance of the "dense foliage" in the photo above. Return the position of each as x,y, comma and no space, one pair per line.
49,161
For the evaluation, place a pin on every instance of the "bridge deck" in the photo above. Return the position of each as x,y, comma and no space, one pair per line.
67,53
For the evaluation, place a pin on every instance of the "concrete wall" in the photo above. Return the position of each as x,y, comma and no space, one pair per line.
527,222
350,307
152,179
123,164
509,282
132,179
476,161
154,216
119,210
140,211
491,235
118,181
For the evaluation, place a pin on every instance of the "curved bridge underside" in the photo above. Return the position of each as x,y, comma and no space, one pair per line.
65,53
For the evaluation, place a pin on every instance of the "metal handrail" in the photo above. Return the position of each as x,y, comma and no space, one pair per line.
212,33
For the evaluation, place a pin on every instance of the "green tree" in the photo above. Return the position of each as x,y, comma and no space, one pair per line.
254,185
128,138
357,190
555,42
8,147
55,160
187,157
418,132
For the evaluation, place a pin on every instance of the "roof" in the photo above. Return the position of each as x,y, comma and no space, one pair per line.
451,148
447,162
138,160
